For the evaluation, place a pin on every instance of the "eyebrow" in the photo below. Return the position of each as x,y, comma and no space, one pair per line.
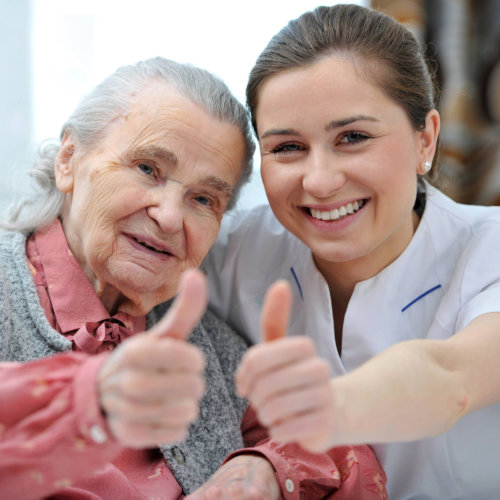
346,121
156,152
218,184
165,155
279,131
332,125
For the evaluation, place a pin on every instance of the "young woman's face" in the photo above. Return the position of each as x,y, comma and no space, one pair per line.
340,162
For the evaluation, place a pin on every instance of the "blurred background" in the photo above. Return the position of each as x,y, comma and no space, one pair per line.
462,37
52,52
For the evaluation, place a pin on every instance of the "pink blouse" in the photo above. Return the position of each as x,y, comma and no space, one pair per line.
54,412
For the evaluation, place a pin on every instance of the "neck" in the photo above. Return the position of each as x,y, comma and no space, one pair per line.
133,304
111,298
343,276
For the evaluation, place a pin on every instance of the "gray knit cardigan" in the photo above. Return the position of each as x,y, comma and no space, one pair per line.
26,335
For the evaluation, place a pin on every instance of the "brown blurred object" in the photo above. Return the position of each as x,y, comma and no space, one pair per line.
463,38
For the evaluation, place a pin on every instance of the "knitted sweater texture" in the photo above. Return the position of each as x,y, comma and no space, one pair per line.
26,335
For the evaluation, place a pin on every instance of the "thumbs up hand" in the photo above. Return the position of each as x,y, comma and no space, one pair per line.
284,380
151,384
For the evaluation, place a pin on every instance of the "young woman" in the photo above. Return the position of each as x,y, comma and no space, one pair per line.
396,285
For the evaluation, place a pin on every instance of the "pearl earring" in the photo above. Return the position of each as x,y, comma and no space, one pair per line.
427,166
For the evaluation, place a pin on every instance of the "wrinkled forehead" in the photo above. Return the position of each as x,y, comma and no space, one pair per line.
164,125
153,113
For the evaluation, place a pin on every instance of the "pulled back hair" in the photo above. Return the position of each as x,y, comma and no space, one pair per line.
384,49
90,120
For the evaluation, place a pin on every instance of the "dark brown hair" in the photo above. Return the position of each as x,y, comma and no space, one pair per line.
390,54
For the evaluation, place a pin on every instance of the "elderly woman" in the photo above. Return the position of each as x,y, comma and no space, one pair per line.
133,197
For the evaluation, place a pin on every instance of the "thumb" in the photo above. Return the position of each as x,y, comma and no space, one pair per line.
276,311
187,308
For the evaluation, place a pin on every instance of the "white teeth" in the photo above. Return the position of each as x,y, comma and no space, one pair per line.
337,213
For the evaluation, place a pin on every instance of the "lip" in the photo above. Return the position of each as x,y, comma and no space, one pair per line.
150,246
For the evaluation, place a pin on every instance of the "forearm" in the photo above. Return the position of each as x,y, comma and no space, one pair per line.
410,391
53,431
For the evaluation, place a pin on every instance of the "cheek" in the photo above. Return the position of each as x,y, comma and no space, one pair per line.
402,156
101,213
200,236
167,291
268,176
278,181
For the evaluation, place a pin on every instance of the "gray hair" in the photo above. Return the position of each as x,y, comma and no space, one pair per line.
89,122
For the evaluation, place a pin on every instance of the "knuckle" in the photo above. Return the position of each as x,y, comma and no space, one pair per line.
306,345
323,370
192,411
259,391
130,384
267,414
200,387
113,405
182,413
248,365
176,434
235,490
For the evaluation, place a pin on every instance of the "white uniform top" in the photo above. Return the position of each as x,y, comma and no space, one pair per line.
448,275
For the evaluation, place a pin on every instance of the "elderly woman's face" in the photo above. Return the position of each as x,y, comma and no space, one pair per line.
147,203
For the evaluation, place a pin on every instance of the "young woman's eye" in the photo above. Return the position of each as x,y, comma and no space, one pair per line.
353,137
146,169
287,148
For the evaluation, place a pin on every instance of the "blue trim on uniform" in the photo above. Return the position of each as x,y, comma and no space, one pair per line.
420,297
298,283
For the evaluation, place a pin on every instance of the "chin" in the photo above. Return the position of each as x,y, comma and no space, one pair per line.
336,256
138,304
143,296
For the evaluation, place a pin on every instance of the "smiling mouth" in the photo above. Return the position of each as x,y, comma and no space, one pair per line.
149,247
337,213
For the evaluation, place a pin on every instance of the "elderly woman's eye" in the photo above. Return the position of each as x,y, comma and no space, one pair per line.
204,200
146,169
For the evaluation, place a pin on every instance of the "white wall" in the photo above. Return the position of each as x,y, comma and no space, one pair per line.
77,43
15,94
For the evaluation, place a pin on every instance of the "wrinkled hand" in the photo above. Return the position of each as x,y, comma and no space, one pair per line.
284,380
244,477
151,384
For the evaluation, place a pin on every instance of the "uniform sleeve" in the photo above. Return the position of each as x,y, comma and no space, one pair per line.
479,267
52,431
343,473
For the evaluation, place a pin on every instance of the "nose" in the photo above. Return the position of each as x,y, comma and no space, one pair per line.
167,208
323,175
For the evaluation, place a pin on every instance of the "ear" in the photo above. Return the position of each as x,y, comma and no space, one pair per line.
64,167
427,141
